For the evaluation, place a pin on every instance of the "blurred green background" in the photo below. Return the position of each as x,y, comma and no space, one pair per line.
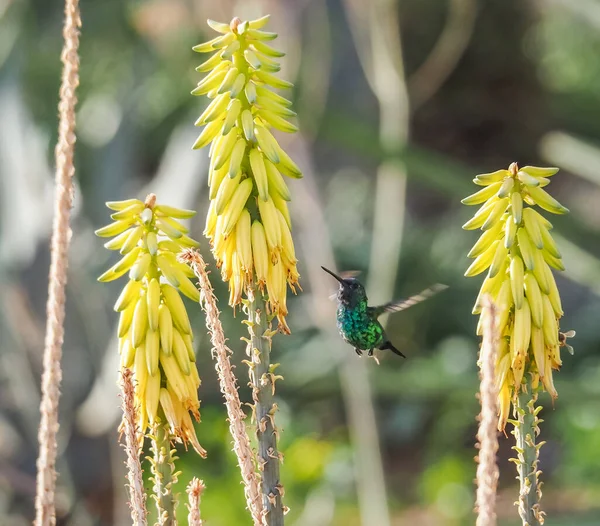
400,103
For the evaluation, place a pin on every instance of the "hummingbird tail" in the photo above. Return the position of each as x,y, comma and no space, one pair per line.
388,345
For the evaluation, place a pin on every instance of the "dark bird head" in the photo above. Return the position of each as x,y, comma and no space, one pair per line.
351,291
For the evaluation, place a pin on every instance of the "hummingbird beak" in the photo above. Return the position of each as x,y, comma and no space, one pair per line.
342,282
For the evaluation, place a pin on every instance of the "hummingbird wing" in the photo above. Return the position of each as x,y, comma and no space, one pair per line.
397,306
350,274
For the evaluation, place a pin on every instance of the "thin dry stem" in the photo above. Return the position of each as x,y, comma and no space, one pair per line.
487,435
194,490
131,430
228,384
61,235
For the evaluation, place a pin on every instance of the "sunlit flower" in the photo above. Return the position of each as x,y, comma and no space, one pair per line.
155,336
248,221
517,251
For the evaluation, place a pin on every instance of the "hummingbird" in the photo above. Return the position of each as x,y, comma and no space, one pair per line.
357,321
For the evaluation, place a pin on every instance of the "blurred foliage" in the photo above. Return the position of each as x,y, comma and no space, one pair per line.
530,70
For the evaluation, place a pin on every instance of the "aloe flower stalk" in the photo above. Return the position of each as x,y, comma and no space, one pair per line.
248,222
228,382
517,251
164,476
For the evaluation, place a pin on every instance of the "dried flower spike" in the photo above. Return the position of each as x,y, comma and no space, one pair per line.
155,336
248,221
518,251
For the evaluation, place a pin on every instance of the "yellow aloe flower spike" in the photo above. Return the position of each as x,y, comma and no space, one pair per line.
247,165
248,221
154,324
517,250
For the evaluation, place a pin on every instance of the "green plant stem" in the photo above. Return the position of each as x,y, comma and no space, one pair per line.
163,469
526,431
263,380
